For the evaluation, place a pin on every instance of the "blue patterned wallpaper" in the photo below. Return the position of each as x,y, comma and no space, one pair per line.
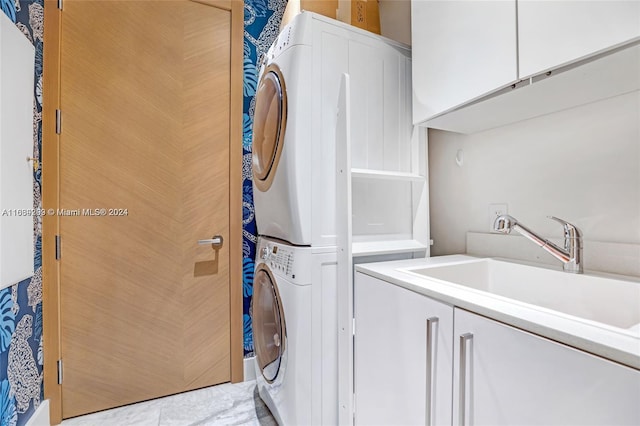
21,358
261,26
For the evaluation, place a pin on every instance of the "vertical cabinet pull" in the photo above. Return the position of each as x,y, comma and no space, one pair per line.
432,335
464,340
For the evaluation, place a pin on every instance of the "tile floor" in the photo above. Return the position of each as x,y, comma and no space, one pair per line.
226,404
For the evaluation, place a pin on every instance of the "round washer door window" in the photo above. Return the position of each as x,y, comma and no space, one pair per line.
268,323
269,124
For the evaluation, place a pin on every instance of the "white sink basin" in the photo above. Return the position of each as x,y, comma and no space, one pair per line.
611,301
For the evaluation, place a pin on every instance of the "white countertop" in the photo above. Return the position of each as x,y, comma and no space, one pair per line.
619,345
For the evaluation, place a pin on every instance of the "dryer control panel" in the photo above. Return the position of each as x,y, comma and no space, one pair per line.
297,32
282,42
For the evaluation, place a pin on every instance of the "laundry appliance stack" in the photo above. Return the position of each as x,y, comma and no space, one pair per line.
299,144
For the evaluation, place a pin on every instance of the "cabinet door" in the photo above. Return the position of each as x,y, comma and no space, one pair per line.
461,50
513,377
552,33
16,144
391,359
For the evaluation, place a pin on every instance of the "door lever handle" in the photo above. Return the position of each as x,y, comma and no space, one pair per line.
215,241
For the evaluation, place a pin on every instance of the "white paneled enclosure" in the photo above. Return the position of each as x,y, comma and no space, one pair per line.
17,57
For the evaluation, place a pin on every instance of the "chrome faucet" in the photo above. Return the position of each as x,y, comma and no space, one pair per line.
570,256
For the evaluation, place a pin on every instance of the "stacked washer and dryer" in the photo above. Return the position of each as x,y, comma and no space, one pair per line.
295,308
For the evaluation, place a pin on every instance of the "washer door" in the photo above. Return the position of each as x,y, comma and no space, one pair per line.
268,323
269,123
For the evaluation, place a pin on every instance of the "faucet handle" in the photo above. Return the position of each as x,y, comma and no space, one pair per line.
570,230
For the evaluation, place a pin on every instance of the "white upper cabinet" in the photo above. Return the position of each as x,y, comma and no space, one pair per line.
461,50
483,64
554,33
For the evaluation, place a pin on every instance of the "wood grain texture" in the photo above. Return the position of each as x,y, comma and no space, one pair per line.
50,152
220,4
147,116
120,149
235,192
205,158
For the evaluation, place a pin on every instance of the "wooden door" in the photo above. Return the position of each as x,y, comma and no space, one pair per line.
144,173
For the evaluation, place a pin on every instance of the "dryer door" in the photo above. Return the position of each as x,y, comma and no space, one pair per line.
267,318
269,122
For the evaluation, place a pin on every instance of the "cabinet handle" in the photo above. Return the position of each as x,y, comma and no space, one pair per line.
431,338
464,339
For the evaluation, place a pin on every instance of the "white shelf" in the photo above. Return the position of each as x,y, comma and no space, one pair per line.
386,175
370,248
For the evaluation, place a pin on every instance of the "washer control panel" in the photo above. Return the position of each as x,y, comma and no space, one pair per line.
279,259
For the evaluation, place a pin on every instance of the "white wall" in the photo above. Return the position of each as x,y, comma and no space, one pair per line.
582,165
395,19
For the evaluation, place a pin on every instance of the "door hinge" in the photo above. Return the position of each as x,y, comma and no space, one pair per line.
58,247
58,121
59,371
60,4
353,326
353,406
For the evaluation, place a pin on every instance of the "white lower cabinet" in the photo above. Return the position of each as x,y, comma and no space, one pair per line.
421,361
402,353
506,376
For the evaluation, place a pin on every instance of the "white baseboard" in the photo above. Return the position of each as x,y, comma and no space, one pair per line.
249,369
40,416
